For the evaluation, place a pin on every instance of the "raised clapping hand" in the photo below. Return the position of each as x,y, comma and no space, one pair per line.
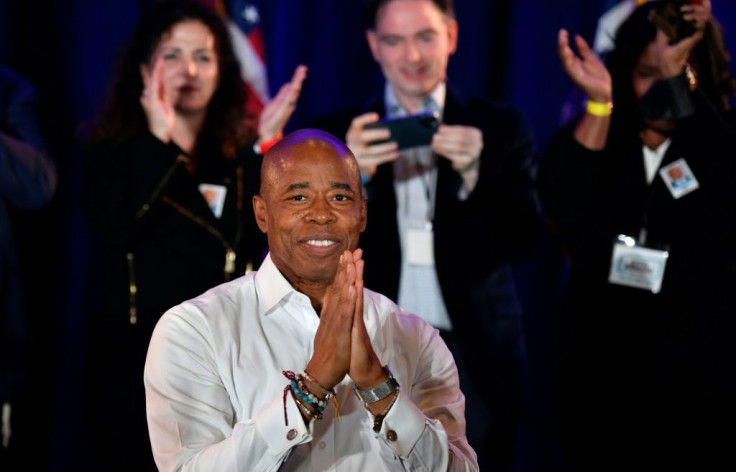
586,70
157,101
276,113
342,345
673,57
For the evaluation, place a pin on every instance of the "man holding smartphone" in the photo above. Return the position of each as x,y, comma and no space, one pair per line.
448,217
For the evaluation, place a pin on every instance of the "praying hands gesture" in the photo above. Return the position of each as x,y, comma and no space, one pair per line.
342,345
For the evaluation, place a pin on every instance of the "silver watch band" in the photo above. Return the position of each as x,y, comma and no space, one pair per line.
372,395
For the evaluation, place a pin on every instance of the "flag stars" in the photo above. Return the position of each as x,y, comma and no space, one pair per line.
250,13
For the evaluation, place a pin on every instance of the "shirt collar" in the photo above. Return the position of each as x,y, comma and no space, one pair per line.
653,159
271,286
434,101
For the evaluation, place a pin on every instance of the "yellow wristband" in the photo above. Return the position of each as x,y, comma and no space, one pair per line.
599,108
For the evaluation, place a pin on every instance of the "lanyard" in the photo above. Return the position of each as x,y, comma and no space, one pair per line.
422,163
414,166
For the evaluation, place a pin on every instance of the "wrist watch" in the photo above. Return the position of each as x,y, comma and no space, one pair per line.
372,395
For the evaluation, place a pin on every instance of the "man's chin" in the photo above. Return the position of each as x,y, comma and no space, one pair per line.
661,126
324,272
320,277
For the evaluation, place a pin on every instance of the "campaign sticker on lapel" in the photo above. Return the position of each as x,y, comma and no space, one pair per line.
637,266
214,195
679,178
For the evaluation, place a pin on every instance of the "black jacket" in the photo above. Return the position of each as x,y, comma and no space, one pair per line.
156,231
159,244
685,332
474,240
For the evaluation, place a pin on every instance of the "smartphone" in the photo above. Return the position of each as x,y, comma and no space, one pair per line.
409,131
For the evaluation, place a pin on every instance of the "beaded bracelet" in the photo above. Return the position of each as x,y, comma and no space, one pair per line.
305,400
308,398
327,393
290,375
313,415
300,390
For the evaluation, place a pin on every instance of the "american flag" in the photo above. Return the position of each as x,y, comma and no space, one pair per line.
244,23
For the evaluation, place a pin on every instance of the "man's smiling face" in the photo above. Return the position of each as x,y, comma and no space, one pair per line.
311,206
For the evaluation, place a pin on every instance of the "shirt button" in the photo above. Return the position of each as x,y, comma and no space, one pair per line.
291,434
391,435
322,445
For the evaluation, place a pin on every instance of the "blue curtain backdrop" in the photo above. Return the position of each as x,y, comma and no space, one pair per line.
507,51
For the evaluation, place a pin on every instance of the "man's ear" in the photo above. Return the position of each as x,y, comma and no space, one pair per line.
370,36
259,208
452,33
363,214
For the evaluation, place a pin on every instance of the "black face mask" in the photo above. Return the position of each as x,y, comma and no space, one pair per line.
668,100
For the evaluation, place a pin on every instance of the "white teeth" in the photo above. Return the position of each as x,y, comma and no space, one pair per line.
323,243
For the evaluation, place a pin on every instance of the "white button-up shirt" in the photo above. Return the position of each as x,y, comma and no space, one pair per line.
215,388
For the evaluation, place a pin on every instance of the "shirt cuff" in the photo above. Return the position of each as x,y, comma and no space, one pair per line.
272,426
402,426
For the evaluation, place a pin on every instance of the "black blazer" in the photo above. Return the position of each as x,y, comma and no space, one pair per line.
154,227
475,239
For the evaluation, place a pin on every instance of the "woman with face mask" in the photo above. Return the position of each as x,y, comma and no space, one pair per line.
171,165
639,190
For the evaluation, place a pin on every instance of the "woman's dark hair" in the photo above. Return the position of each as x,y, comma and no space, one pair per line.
121,114
709,59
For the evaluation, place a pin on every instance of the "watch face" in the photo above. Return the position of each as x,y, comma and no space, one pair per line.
380,392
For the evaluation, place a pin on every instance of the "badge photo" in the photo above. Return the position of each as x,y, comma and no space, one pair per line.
214,195
679,179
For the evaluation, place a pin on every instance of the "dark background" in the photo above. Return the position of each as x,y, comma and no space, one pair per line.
507,51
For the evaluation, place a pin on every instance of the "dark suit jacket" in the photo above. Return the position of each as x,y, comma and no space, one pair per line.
627,336
475,239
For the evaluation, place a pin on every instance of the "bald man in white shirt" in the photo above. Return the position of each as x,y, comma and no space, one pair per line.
243,377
